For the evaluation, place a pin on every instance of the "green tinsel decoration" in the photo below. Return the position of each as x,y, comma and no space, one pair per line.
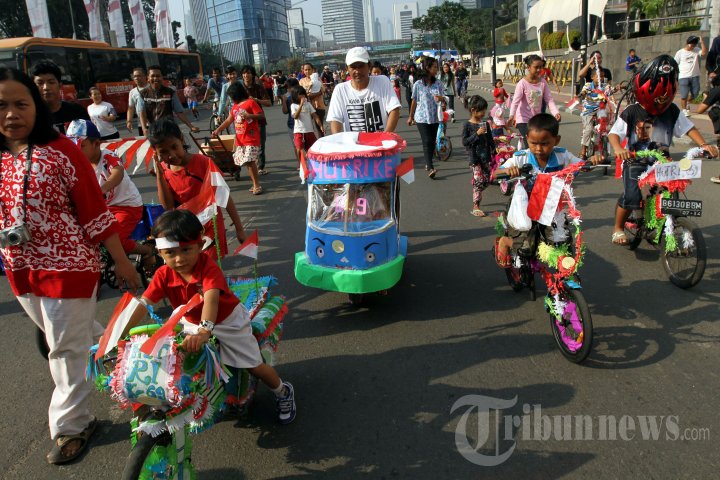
657,155
670,242
500,226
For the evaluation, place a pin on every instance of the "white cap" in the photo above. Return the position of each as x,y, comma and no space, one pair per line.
357,54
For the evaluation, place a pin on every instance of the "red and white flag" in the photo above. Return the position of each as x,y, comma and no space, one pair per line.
39,18
125,309
249,247
214,193
163,25
574,102
94,26
116,22
304,171
151,344
406,170
545,198
142,36
133,151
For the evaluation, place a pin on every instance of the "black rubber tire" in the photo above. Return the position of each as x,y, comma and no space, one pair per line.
143,447
356,299
514,278
634,235
694,275
531,286
584,316
214,123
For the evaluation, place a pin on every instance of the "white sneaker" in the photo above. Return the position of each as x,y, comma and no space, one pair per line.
686,112
715,179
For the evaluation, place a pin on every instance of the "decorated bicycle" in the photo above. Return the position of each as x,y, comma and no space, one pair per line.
504,150
352,241
663,221
552,247
171,392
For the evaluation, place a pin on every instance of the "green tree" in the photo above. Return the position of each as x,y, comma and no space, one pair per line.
443,20
210,56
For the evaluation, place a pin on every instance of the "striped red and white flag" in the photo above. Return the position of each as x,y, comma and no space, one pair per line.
214,193
545,198
573,103
124,311
249,247
133,151
151,344
304,171
406,170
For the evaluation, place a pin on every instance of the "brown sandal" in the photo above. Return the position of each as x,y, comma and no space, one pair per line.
57,455
257,191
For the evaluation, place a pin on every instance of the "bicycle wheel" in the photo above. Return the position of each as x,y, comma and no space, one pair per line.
515,277
573,332
634,227
149,458
684,264
214,122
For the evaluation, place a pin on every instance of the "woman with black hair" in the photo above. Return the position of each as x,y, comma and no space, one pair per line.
53,217
427,94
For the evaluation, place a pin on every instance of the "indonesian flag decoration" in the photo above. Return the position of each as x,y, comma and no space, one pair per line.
249,247
142,36
117,24
133,151
151,344
406,170
94,26
214,193
574,102
304,170
163,26
545,198
122,314
39,18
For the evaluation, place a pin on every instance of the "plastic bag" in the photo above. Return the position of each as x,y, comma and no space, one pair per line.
517,215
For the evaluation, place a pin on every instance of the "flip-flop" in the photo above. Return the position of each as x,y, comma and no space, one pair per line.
56,456
619,238
476,212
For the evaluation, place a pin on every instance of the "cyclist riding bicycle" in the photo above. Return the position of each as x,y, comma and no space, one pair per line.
654,87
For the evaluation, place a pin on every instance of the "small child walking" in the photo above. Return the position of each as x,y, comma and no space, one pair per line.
187,271
191,93
304,115
478,141
246,115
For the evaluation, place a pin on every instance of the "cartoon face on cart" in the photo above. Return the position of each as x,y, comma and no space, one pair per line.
351,226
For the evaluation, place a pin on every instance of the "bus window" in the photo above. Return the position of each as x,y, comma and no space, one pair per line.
78,69
172,70
190,67
76,76
8,59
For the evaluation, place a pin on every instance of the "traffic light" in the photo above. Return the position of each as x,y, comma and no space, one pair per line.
191,45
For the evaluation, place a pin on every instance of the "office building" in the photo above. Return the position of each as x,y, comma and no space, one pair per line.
369,19
343,21
378,31
296,28
403,14
250,31
200,21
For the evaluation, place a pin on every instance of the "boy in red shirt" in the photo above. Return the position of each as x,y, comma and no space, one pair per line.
246,114
187,271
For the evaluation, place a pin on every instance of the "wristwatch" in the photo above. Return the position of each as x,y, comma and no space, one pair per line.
207,325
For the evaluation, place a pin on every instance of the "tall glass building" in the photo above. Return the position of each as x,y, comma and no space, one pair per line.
343,21
250,31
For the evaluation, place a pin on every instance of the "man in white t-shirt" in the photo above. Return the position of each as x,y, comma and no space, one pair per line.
365,103
688,60
140,78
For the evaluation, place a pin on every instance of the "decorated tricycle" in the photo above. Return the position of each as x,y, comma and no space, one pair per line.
352,241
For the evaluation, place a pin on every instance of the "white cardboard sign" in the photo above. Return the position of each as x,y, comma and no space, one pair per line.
666,172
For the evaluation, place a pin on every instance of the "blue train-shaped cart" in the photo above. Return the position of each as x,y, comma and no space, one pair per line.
352,241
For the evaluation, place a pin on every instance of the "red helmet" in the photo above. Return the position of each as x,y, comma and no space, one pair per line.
655,85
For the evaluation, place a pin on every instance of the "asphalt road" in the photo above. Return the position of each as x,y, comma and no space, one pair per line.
375,386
